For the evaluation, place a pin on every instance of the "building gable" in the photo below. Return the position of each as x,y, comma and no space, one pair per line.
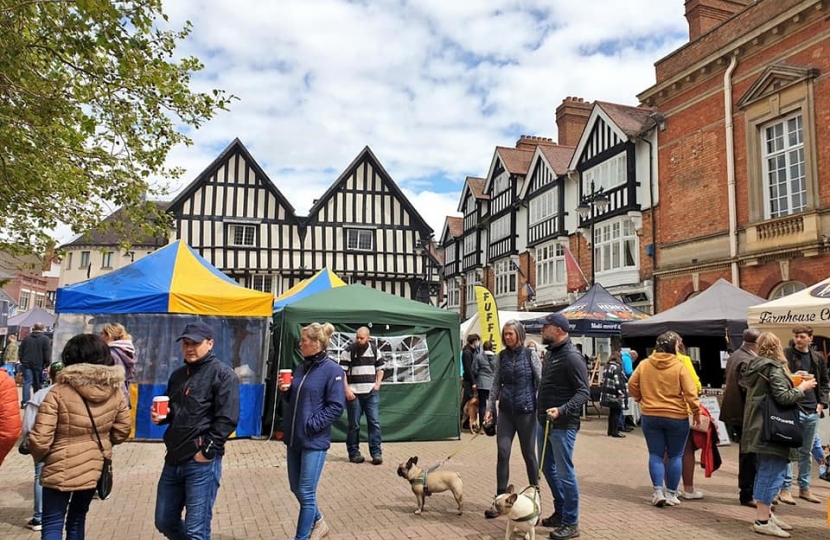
601,135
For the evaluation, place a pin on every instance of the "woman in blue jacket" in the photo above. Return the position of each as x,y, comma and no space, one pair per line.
315,399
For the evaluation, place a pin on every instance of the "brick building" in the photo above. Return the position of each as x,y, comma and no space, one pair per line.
742,170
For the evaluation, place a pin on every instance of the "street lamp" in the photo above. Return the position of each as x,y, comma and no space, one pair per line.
596,202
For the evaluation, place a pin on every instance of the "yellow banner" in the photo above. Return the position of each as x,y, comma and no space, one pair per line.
488,317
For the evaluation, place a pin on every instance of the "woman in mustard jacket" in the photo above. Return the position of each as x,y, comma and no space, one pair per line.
64,439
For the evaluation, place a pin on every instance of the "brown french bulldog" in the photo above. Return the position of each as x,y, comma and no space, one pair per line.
471,413
436,481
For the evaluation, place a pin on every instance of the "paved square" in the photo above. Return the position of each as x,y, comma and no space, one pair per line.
366,502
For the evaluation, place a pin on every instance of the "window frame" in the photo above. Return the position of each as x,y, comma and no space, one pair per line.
537,215
785,153
25,299
366,233
245,228
252,283
85,259
551,255
612,234
505,280
453,290
104,256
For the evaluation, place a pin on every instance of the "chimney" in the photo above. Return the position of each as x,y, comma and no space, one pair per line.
571,118
703,15
530,142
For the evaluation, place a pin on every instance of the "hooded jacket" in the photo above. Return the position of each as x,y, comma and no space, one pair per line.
204,409
63,437
663,387
123,354
9,414
315,399
763,377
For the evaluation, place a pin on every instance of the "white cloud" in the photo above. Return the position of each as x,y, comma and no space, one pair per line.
432,86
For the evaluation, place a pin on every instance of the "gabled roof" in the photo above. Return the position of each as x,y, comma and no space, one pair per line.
475,187
453,226
367,154
516,161
625,122
631,120
109,235
556,158
12,265
235,146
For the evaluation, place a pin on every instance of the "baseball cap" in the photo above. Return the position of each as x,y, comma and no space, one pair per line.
196,332
558,320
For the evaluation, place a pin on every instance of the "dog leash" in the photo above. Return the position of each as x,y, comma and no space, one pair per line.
449,457
544,448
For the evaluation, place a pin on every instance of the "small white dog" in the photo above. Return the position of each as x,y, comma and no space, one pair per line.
523,511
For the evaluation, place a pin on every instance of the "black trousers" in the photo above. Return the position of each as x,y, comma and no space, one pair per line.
746,470
614,420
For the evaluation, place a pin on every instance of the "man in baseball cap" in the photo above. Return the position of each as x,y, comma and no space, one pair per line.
563,391
195,436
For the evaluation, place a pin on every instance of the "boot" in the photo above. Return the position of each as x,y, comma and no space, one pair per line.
808,496
786,496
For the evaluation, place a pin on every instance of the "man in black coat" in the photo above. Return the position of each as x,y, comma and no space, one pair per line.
34,356
468,382
563,391
732,410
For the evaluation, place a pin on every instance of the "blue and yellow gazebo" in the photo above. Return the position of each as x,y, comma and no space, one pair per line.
154,298
323,280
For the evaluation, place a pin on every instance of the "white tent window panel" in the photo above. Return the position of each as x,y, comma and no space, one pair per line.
786,288
405,358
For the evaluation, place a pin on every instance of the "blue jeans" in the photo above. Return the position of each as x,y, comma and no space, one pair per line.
565,487
665,437
65,507
769,478
37,510
548,466
304,470
370,405
809,422
191,486
31,382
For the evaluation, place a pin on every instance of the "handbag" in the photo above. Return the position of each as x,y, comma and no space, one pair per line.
104,486
781,424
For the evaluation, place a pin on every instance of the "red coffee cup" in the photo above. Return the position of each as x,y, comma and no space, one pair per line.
286,376
160,406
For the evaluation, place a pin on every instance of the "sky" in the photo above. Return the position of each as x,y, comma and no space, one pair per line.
432,86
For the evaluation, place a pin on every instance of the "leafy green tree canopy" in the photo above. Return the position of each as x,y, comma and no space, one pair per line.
92,99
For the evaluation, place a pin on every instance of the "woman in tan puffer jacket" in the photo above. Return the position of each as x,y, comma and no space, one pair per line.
63,437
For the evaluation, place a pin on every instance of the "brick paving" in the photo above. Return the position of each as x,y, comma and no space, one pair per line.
366,502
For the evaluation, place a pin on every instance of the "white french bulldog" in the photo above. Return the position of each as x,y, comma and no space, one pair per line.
523,511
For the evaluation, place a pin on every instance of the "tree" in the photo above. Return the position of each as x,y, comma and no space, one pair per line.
92,99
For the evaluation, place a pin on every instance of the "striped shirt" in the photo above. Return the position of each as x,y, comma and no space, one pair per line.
361,369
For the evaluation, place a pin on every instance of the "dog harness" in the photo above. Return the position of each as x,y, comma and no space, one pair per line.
536,510
422,480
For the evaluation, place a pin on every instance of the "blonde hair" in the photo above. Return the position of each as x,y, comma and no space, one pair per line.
115,331
321,333
769,346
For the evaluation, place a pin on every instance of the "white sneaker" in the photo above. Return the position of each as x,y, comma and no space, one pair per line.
783,525
671,499
691,495
770,529
658,499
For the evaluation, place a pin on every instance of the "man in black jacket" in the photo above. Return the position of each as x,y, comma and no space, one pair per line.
34,356
563,391
732,410
802,357
203,412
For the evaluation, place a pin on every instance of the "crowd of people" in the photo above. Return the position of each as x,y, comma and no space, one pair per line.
71,427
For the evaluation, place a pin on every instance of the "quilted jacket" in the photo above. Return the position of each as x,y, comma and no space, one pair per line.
63,437
10,423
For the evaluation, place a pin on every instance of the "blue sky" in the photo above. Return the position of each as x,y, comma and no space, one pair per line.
432,86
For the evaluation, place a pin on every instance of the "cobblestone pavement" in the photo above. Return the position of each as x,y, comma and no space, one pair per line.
373,503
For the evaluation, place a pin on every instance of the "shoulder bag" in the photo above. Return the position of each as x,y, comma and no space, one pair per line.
104,486
781,424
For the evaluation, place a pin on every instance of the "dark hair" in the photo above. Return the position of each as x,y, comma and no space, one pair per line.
802,329
472,338
667,342
750,335
487,345
615,357
86,349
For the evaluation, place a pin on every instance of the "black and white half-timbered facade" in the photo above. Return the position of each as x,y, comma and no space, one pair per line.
450,243
366,231
616,156
237,219
474,206
363,228
544,196
507,225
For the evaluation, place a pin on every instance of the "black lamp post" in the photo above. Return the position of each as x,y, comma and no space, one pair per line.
590,205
